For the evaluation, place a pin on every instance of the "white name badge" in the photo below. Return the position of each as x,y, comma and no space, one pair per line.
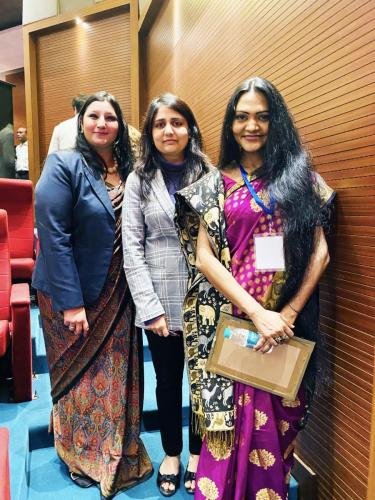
269,252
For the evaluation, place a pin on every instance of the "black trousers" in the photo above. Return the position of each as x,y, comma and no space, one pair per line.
169,361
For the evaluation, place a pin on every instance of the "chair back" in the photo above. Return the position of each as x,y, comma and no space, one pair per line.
5,272
16,197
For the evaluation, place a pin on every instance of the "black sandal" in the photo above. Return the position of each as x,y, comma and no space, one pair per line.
168,478
81,481
189,476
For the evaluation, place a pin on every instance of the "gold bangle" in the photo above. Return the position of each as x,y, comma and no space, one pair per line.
292,308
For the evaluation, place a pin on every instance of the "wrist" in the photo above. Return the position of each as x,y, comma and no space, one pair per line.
293,308
253,310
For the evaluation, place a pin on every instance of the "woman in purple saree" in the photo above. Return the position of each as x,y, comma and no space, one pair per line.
264,187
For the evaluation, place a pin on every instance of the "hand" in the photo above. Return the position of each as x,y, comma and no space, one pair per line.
270,325
288,314
159,327
75,319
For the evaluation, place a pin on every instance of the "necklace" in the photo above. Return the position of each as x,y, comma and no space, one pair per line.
113,170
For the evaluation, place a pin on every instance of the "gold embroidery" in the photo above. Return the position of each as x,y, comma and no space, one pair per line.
254,206
244,399
283,426
291,404
262,458
260,419
267,494
263,195
208,488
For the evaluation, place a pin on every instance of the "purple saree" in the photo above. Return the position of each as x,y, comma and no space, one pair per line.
258,465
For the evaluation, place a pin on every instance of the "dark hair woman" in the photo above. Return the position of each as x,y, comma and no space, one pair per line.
171,158
85,304
264,187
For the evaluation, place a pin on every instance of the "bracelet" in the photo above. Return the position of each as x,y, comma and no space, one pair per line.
292,308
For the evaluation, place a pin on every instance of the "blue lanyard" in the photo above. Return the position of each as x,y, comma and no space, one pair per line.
268,210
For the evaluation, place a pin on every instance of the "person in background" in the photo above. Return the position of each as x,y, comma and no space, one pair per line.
264,187
93,348
171,157
64,135
22,155
7,149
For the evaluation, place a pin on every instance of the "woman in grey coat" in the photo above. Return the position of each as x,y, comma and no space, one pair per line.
156,270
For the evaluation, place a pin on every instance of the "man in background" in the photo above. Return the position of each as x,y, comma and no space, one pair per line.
22,155
65,133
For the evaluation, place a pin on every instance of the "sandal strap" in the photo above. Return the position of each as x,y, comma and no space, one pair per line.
189,475
168,478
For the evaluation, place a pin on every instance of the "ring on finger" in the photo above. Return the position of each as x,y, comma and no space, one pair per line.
278,339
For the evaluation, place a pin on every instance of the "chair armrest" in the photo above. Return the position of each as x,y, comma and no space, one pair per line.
19,295
21,342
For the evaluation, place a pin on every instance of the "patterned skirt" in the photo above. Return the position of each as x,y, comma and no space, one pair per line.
96,388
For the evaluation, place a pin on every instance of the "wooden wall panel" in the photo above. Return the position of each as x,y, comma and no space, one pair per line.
19,106
320,55
82,59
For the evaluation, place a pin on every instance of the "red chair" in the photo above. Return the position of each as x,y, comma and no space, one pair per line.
4,464
16,197
14,320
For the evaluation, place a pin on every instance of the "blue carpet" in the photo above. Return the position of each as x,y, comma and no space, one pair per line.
36,471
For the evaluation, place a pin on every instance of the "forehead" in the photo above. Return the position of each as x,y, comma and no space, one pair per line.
21,130
100,107
166,113
252,101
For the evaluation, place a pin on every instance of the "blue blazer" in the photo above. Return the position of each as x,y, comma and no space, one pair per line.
76,230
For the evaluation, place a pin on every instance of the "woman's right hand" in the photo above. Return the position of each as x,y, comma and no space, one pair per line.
75,319
159,326
270,325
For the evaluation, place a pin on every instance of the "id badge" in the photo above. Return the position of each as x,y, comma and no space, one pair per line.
269,252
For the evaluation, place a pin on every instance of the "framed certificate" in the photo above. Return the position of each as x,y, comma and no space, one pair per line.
279,371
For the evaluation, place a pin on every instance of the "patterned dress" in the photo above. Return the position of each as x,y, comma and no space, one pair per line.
96,382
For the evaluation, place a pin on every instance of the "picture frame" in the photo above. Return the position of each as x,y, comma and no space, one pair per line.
279,371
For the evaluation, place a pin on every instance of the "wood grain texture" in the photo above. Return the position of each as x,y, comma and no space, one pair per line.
320,55
78,59
19,104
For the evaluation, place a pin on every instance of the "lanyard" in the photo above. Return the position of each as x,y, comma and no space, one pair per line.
268,210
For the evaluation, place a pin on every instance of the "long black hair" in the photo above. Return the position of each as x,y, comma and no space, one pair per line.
287,170
121,147
197,162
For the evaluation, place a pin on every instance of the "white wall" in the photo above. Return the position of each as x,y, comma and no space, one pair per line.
41,9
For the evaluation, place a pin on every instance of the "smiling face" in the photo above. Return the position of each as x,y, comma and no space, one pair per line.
100,125
251,123
170,133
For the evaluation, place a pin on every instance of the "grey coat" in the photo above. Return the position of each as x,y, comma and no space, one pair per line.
154,264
